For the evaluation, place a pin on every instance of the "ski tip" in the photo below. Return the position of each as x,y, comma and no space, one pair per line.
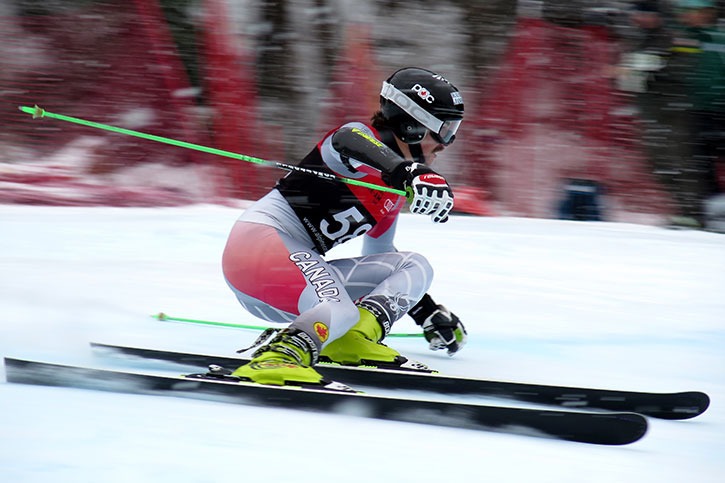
614,429
705,401
696,403
701,403
684,405
628,428
641,427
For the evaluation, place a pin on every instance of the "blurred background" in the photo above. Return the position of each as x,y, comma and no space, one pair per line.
584,110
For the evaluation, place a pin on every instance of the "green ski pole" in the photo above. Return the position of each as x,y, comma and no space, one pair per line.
38,112
164,317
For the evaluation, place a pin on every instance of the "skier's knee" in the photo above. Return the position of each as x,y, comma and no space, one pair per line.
416,262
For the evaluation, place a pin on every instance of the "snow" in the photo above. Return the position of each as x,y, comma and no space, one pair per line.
601,304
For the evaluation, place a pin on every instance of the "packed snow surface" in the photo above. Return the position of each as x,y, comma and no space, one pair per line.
596,304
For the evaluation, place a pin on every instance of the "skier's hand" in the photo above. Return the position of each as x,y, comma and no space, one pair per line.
428,192
444,330
441,327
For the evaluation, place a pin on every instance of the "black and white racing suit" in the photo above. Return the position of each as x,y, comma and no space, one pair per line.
274,257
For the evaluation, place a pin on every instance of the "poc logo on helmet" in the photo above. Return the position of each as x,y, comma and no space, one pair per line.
423,93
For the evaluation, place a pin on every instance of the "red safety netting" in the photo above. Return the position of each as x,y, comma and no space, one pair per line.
356,80
228,73
114,63
550,113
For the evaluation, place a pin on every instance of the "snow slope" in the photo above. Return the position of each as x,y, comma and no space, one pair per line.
602,304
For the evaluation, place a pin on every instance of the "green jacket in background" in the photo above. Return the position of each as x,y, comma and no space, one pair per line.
708,76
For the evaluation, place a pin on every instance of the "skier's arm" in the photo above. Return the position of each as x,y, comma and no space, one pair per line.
428,192
358,144
441,327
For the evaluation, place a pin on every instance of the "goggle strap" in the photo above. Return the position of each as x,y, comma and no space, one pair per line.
404,102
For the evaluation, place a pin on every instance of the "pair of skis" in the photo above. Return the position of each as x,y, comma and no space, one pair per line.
586,415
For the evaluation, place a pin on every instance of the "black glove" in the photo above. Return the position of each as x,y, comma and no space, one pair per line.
428,192
442,328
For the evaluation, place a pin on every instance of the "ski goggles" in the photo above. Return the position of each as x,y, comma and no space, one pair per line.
443,132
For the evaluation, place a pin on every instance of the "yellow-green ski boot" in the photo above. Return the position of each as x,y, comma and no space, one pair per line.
287,360
361,346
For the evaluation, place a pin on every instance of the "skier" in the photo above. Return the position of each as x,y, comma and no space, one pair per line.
340,310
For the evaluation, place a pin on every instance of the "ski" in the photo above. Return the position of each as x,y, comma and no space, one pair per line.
680,405
584,427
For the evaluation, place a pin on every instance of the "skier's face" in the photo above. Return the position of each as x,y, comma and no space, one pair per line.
431,148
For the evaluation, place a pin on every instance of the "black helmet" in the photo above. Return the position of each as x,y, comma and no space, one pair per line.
415,101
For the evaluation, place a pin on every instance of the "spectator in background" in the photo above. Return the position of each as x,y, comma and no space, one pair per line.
699,19
656,68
